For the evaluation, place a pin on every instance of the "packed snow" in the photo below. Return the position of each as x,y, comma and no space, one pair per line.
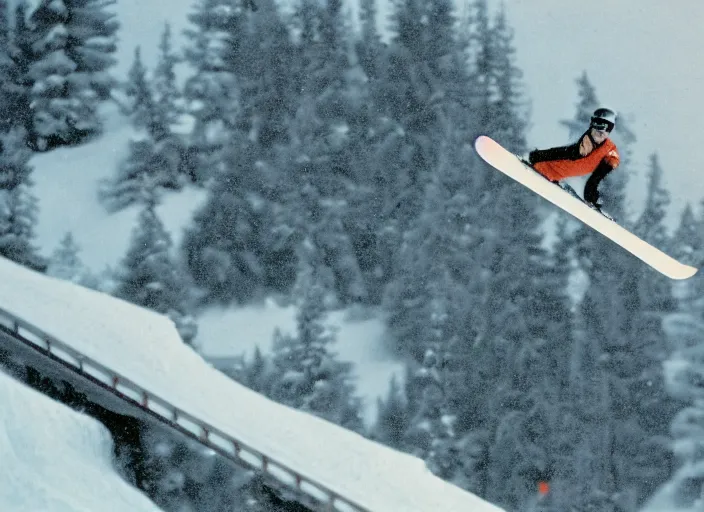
145,347
57,460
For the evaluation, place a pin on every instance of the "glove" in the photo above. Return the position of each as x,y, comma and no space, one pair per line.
531,157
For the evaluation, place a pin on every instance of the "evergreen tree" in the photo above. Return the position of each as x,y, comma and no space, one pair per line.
586,105
316,203
687,239
52,106
71,44
18,206
650,225
65,263
438,247
431,434
684,373
178,475
688,245
505,120
422,84
13,89
616,381
311,378
392,419
257,373
139,93
150,276
212,93
268,71
160,156
655,300
369,46
93,29
255,257
168,96
226,248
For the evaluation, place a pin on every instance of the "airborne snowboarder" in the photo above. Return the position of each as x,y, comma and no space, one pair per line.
594,153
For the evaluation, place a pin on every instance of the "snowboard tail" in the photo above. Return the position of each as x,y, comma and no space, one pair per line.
506,162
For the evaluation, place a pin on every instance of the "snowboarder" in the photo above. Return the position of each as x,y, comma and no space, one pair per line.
594,153
510,164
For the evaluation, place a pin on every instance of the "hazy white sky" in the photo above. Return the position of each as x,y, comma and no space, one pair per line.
641,55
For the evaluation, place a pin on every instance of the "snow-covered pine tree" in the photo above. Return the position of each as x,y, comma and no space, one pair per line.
158,155
253,258
168,96
518,325
506,121
419,141
311,377
655,289
646,387
52,105
140,96
438,247
93,28
18,206
431,433
616,380
226,246
13,89
155,102
150,275
315,203
688,242
183,475
65,263
256,373
71,44
684,374
269,70
392,420
211,93
421,78
369,46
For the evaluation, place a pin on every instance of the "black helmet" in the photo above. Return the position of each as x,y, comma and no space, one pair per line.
604,119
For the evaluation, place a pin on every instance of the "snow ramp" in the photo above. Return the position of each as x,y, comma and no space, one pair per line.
132,361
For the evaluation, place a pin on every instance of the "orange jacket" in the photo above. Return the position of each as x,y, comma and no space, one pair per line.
586,158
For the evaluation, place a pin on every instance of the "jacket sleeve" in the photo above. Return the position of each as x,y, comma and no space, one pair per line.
591,188
570,152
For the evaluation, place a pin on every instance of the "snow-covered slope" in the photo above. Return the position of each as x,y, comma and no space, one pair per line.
66,185
55,460
145,347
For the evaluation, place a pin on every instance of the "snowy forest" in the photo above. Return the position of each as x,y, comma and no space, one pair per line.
338,164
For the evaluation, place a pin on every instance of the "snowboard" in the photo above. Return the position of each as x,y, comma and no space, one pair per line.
508,163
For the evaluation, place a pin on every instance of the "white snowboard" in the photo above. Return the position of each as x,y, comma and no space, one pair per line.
506,162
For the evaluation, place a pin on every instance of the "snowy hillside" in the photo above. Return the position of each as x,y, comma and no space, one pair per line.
56,460
227,332
145,348
66,185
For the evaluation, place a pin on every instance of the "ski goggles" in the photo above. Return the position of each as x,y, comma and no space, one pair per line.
602,126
